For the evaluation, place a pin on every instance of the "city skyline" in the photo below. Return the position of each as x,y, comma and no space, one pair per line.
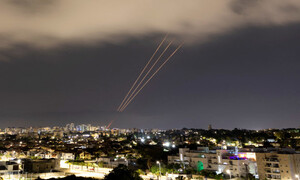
243,75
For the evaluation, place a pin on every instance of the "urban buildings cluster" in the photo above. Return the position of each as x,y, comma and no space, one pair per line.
262,163
190,153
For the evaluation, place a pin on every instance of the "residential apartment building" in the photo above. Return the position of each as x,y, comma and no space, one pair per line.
278,165
231,162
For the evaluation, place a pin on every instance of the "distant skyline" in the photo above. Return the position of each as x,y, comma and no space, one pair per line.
245,77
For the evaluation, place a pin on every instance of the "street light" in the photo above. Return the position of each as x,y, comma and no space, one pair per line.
228,172
157,162
297,176
19,167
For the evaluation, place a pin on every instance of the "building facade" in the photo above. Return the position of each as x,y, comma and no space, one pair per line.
230,162
278,165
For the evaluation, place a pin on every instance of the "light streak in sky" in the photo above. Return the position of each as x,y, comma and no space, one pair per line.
142,71
138,84
107,127
153,65
123,108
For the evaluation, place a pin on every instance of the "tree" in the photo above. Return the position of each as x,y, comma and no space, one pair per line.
173,168
141,172
250,176
155,169
122,172
100,164
210,174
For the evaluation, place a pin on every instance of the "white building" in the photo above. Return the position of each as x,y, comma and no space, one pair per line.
112,162
67,156
7,167
231,162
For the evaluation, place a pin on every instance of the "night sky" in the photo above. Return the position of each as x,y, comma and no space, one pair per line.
245,77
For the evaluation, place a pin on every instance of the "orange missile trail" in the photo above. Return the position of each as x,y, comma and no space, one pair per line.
126,104
142,71
153,65
109,124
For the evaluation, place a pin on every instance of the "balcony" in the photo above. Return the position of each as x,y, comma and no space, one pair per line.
271,160
272,165
269,176
276,171
268,165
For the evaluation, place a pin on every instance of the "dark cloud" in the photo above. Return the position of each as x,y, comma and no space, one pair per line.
53,24
241,6
32,7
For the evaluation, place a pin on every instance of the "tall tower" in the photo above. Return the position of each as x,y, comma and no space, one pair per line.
209,127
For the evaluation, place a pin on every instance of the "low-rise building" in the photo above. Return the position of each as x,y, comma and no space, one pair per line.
41,165
85,155
67,156
112,162
8,167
